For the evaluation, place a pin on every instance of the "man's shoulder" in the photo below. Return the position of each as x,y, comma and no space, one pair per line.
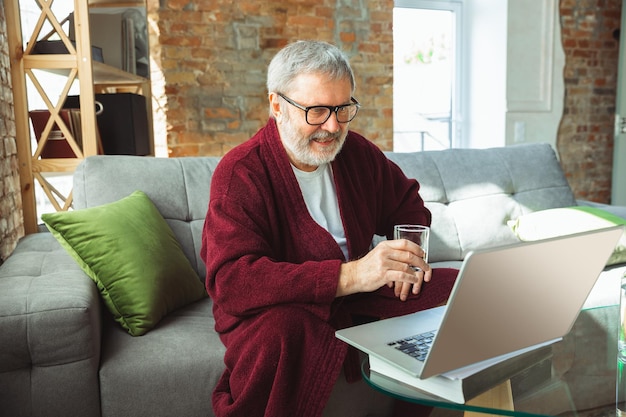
237,168
244,167
237,172
358,147
253,151
248,153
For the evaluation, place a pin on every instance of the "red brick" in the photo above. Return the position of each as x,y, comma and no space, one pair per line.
590,80
348,37
220,113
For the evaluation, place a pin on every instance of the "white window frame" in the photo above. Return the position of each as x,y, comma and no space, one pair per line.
459,93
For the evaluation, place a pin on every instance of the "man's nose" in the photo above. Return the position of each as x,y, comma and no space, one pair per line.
332,125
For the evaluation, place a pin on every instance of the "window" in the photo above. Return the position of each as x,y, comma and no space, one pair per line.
427,68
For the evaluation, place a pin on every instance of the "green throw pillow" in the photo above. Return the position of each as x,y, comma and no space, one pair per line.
130,252
545,224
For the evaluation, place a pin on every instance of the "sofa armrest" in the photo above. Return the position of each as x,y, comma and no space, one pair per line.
613,209
50,322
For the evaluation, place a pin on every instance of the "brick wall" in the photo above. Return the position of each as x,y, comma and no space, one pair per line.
214,58
11,219
590,33
215,54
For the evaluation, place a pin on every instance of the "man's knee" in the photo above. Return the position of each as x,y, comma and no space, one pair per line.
287,321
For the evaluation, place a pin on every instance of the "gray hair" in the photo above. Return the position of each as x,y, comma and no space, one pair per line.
306,57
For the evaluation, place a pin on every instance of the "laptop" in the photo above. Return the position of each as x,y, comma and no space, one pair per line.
504,299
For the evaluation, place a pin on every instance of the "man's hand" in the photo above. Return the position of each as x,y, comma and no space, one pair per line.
390,263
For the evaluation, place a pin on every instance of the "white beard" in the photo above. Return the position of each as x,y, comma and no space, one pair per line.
300,146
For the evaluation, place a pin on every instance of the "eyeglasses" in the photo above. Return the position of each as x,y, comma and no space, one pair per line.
318,115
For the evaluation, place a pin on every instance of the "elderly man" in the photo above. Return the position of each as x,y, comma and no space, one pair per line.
287,241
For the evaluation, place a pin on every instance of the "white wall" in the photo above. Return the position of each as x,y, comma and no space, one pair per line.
618,184
514,72
485,78
535,62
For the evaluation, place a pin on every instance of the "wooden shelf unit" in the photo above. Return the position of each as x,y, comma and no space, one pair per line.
78,67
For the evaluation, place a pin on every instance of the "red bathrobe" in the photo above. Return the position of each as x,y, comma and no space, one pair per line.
272,272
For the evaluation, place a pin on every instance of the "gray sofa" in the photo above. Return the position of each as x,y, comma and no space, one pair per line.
61,354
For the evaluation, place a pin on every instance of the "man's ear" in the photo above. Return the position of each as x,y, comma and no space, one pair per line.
275,107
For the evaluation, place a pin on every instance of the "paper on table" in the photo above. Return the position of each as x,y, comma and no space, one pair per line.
468,370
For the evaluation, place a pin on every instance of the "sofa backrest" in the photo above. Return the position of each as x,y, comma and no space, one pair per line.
179,187
471,193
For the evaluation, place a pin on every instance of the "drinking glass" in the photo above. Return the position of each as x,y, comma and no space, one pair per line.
415,233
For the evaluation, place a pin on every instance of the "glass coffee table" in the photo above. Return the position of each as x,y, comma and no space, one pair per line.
498,400
541,390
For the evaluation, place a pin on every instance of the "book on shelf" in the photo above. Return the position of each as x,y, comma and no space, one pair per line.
57,145
122,37
47,46
461,385
129,63
105,33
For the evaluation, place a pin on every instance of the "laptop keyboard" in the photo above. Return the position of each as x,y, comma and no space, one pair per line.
415,346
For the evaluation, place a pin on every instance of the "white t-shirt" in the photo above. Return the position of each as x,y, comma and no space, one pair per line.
320,196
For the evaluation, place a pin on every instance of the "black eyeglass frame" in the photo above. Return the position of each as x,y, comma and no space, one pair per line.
333,109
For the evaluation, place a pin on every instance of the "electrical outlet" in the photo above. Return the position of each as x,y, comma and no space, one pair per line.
519,132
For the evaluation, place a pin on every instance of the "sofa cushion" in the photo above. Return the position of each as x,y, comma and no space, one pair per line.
171,371
49,333
546,224
130,252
